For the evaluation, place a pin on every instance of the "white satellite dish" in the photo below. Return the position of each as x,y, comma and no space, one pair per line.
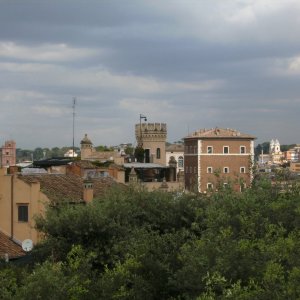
27,245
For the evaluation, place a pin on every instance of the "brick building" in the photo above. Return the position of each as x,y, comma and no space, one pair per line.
8,154
214,157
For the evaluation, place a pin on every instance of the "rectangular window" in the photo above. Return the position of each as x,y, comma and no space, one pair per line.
226,170
180,162
23,213
209,186
226,149
158,153
243,186
242,170
210,149
242,149
209,170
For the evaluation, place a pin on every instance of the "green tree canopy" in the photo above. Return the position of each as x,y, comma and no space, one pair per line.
135,244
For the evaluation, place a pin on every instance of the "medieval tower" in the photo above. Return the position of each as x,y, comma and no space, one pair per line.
8,154
152,137
86,147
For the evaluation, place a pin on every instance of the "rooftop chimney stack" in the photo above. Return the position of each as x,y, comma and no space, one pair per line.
88,190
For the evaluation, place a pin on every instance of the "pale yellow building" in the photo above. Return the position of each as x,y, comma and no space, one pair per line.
295,166
24,196
175,152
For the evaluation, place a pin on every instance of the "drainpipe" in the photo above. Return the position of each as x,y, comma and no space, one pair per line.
12,206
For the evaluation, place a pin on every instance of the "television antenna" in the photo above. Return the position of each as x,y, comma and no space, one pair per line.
73,106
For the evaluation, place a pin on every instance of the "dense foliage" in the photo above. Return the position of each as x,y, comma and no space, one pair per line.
135,244
42,153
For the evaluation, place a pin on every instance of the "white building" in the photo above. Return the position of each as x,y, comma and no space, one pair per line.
175,152
70,153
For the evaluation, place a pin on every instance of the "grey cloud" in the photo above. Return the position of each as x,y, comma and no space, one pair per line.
146,57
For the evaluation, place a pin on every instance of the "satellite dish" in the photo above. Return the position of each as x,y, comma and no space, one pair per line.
27,245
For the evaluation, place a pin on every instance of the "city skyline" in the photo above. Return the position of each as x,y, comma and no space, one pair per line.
190,64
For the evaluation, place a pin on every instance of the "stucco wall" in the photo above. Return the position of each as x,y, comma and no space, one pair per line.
15,192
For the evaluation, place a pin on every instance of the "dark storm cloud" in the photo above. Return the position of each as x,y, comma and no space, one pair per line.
191,64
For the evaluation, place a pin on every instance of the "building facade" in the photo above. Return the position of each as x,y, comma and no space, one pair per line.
22,197
214,158
8,154
175,152
276,156
293,154
295,166
88,152
152,137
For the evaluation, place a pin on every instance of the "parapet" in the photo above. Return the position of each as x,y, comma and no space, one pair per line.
151,130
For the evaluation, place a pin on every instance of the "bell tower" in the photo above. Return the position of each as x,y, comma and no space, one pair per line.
277,146
86,147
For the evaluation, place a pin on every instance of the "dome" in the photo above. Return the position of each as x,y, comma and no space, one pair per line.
86,140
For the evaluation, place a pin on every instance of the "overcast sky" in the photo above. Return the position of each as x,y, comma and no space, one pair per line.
191,64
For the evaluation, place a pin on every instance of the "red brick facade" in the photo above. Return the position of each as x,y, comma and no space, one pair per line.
216,157
8,154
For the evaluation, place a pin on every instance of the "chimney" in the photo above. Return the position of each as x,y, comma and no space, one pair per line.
88,190
13,170
133,176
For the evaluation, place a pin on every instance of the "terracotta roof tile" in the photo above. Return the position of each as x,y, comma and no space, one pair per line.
59,187
85,164
220,133
175,148
7,246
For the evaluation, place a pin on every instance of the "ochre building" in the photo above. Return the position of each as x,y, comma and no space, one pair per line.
23,196
152,137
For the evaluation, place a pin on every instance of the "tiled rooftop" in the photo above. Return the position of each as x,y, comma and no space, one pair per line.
7,246
219,133
85,164
175,148
58,187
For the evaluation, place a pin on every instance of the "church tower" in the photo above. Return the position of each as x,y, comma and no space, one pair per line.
272,146
86,147
152,137
277,147
275,153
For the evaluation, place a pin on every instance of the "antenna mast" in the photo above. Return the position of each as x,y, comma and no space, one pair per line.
73,106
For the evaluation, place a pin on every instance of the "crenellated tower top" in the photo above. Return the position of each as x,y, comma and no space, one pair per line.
152,137
151,132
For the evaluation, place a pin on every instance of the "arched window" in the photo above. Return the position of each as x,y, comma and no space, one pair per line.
180,162
158,153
